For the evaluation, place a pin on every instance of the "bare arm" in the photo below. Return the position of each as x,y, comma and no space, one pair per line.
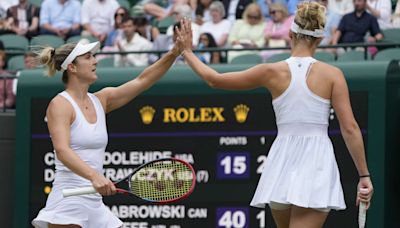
247,79
59,118
351,132
113,98
336,37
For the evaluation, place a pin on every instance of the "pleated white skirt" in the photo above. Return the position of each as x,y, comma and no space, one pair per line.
88,211
301,169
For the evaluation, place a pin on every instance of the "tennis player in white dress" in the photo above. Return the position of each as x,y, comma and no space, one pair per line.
77,125
300,181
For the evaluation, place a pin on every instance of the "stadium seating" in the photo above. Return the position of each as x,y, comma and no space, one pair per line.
76,39
106,62
124,3
247,59
391,35
16,63
324,56
388,54
37,3
47,40
163,24
278,57
14,42
353,56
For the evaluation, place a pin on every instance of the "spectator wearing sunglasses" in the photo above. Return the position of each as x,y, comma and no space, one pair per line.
277,29
247,32
117,32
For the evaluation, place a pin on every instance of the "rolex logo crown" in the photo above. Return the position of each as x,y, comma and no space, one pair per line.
147,114
241,112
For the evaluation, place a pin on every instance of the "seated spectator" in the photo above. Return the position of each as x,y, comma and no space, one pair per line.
331,24
247,32
206,40
144,28
97,18
60,17
264,5
131,41
277,29
202,11
117,32
341,7
30,61
360,19
184,11
234,9
382,10
160,12
218,27
23,19
4,5
396,16
7,97
165,42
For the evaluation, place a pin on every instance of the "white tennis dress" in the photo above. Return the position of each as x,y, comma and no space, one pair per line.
301,168
89,142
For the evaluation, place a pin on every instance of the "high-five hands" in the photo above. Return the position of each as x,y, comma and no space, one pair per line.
184,36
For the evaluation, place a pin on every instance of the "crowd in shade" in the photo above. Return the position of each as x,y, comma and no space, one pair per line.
148,25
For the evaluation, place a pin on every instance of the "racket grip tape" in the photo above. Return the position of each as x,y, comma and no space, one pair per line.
78,191
362,211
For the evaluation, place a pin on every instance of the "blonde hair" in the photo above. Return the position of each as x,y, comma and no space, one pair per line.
280,7
253,7
52,58
309,16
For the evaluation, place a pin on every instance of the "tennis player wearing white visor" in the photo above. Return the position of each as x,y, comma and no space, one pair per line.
77,125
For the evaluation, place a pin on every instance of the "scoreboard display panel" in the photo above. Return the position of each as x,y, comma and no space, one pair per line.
226,137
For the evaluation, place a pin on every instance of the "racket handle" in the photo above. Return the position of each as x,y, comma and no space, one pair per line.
362,211
78,191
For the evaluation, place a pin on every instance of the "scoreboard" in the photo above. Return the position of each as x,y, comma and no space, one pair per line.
226,137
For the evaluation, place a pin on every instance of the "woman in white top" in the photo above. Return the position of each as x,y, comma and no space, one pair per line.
76,122
218,27
300,181
382,10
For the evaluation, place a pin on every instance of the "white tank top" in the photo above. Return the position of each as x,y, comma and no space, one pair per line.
298,104
87,140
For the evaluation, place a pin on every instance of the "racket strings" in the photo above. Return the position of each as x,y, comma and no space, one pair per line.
162,181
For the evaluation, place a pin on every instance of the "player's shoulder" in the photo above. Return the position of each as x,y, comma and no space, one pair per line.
59,105
328,69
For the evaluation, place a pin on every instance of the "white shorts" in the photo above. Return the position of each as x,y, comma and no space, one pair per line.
282,206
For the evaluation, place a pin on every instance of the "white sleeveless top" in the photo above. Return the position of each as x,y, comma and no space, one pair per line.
87,140
298,104
301,168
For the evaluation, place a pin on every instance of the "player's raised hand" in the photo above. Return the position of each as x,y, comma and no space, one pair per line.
185,36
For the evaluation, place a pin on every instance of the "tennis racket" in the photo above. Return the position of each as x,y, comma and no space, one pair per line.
160,181
362,211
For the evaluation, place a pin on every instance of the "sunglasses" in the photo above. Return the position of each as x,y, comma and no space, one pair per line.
253,17
120,14
272,12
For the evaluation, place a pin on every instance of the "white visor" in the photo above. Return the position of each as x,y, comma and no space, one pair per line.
316,33
80,49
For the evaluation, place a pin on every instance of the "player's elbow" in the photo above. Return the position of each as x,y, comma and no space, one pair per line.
349,129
